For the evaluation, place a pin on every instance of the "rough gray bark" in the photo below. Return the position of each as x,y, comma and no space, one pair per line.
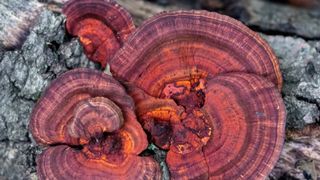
280,18
25,73
300,66
16,17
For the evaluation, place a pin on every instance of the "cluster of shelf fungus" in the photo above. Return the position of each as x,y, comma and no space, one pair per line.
198,84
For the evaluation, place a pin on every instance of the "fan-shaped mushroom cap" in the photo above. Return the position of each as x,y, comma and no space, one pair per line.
63,162
206,89
248,119
101,25
89,110
192,44
238,131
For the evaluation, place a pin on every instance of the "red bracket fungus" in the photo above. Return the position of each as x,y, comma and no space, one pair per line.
101,25
88,121
206,89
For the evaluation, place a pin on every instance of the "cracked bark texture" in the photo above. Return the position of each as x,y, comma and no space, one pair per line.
15,19
300,66
269,16
300,158
48,52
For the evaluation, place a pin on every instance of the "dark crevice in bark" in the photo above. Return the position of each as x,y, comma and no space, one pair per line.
272,32
310,101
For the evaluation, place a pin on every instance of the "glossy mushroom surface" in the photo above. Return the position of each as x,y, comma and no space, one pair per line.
206,89
88,121
182,44
101,25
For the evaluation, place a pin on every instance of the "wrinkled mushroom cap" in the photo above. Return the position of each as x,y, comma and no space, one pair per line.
88,120
101,25
206,89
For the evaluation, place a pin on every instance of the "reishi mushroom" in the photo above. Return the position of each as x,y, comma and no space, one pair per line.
206,89
101,25
192,43
88,121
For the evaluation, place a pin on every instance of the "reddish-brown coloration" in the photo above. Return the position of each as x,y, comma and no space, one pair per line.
91,119
305,3
206,88
185,45
102,26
